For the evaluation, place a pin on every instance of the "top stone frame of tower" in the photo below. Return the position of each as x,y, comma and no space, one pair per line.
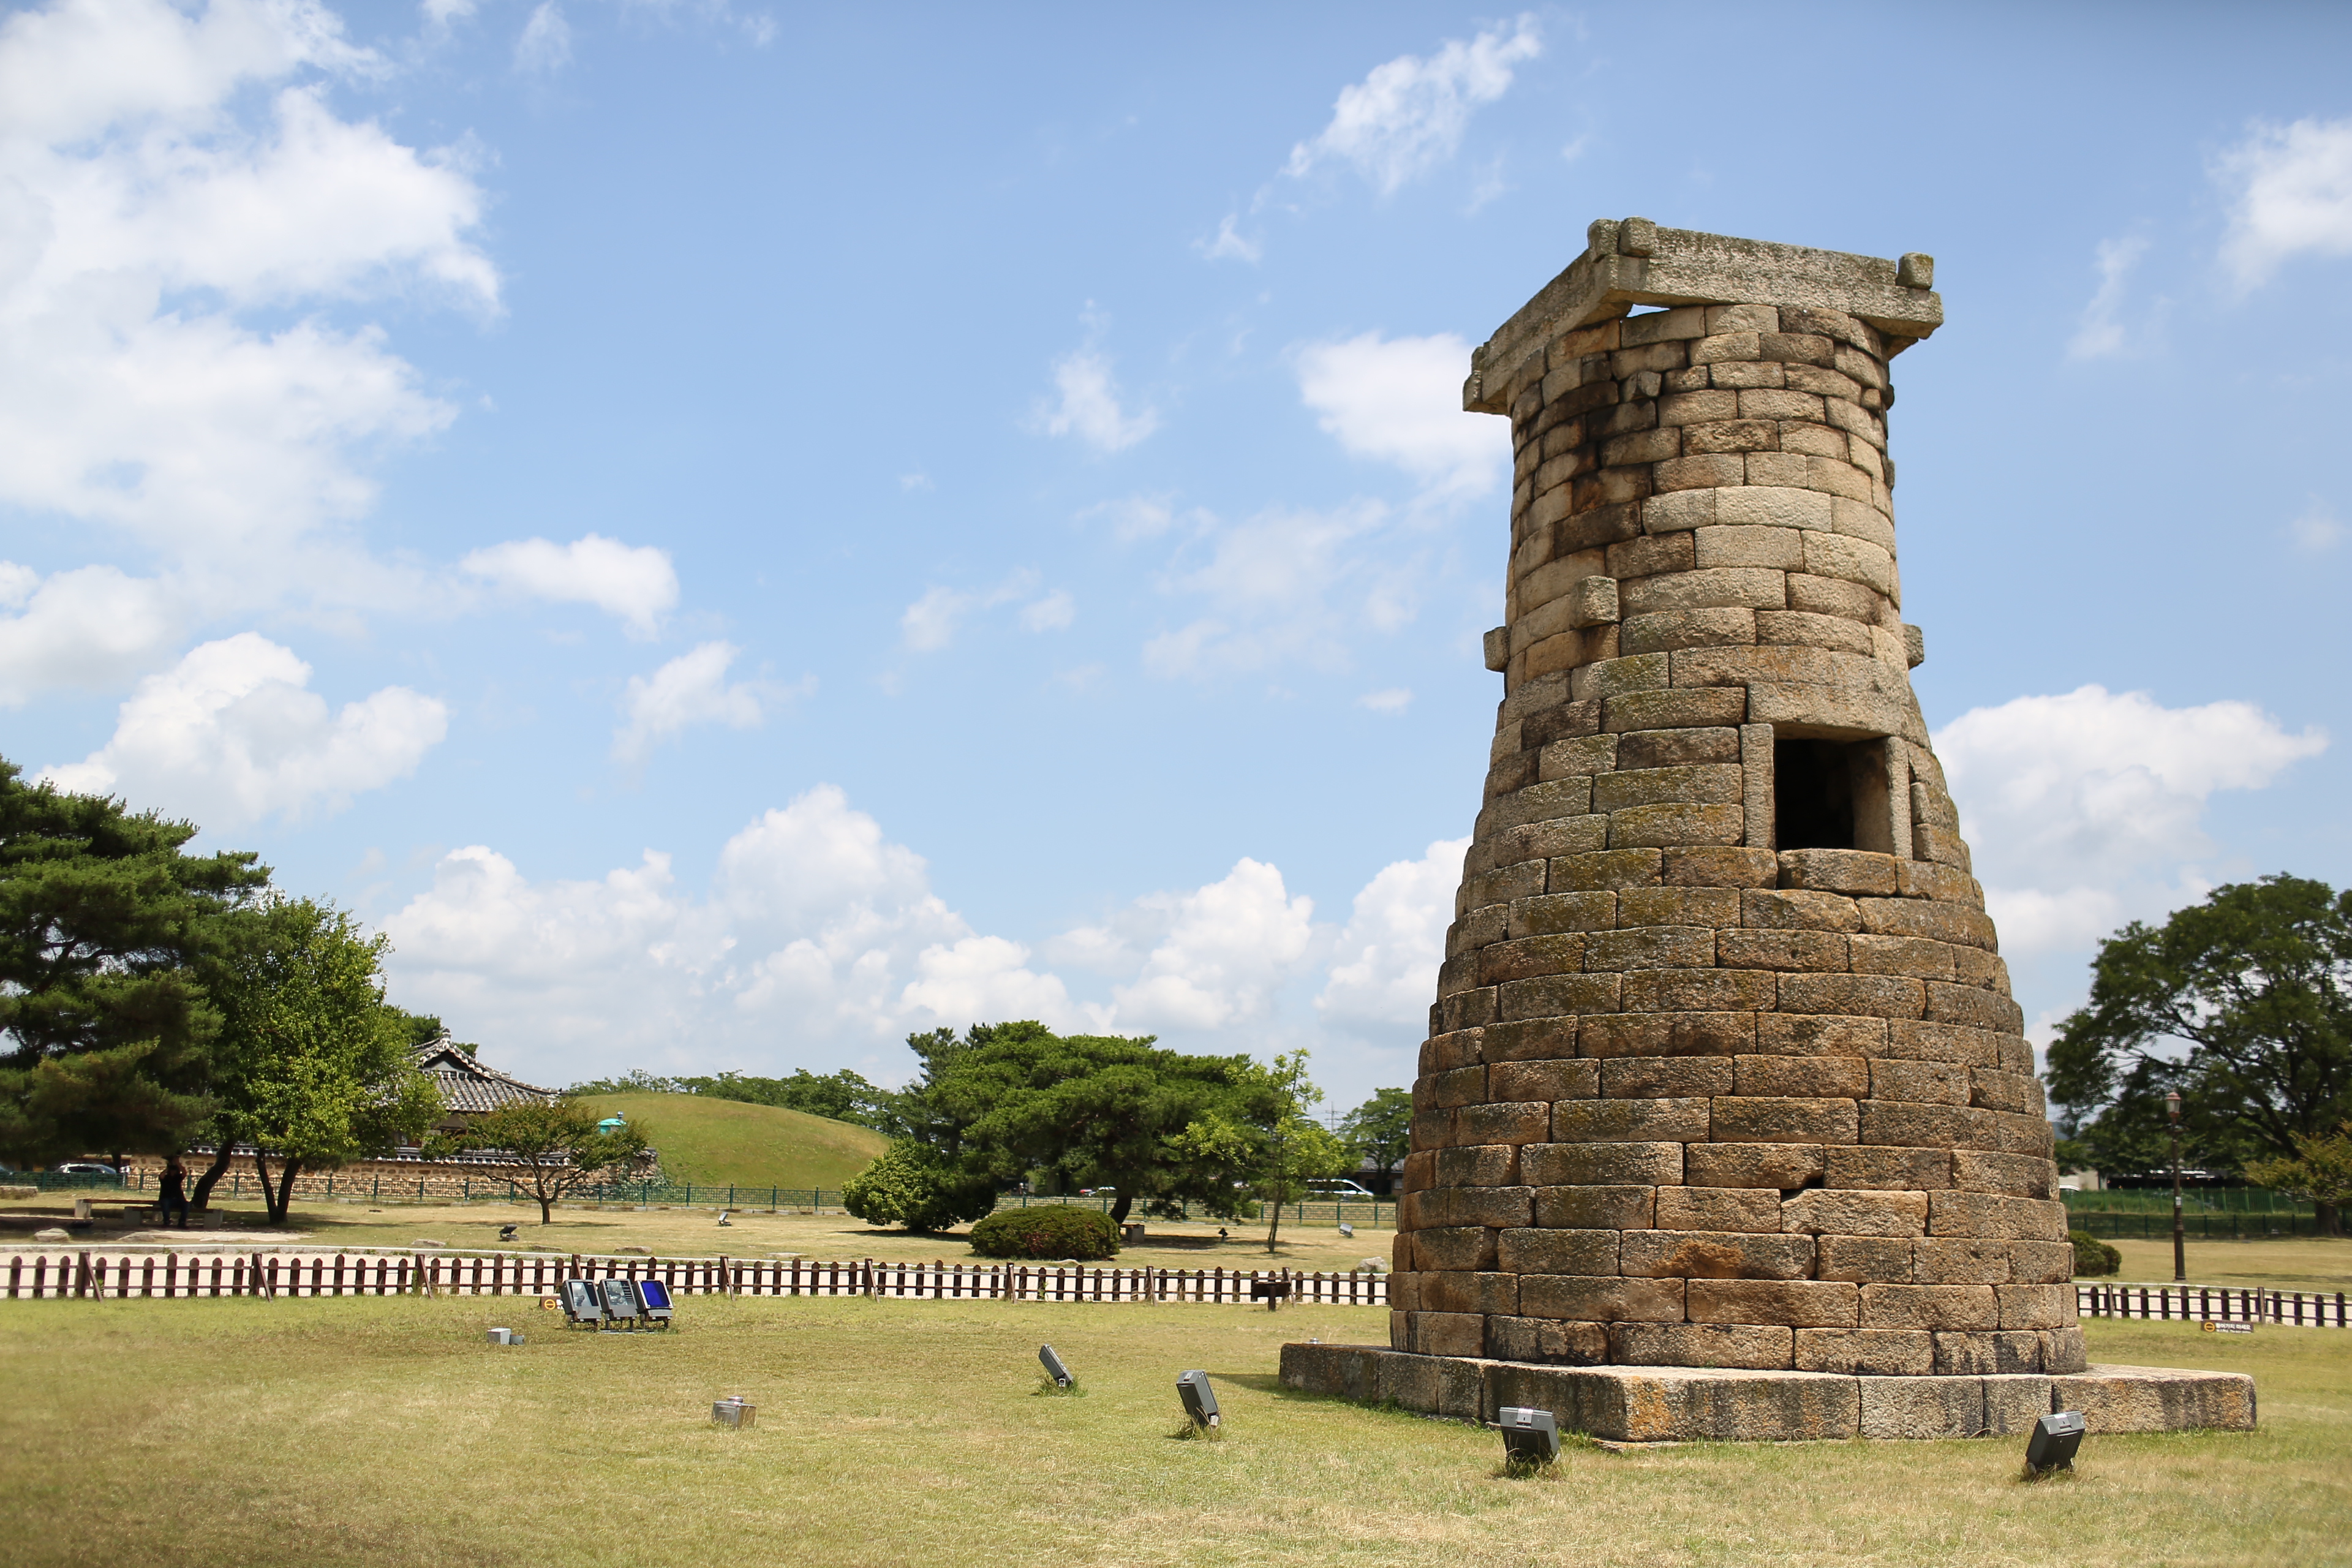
1632,261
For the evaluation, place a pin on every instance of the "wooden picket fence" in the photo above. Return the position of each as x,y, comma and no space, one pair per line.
2200,1304
174,1276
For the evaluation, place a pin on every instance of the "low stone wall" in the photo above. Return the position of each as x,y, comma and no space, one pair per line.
1658,1403
390,1180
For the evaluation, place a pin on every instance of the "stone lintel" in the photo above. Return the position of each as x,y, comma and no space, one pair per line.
1686,267
1676,1403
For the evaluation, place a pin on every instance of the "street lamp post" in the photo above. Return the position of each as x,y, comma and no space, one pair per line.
2179,1244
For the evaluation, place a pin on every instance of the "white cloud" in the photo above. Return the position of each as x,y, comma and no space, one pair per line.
1395,699
931,622
440,13
1221,953
1400,400
2291,194
691,688
1133,516
636,584
1383,974
545,46
92,627
1408,116
177,199
1229,244
2101,333
2078,805
928,624
1271,584
1089,406
232,734
1050,614
2318,530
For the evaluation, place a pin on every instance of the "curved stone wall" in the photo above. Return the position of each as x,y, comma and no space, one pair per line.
1724,1069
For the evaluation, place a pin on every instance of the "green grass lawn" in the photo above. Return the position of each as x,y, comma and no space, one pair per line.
725,1141
384,1432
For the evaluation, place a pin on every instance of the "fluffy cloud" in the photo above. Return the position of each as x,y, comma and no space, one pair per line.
2079,804
2290,189
91,627
545,44
233,733
1383,973
1408,116
1400,400
168,196
820,940
1287,585
1089,406
636,584
690,689
2101,332
1229,244
931,622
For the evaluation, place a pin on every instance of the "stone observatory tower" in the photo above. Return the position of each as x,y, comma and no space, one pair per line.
1724,1070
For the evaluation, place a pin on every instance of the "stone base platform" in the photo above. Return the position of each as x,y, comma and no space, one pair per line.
1682,1403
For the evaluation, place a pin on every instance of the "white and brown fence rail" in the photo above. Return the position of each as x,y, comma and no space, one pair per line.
2203,1304
35,1275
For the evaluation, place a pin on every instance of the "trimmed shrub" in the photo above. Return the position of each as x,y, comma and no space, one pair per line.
1051,1230
908,1187
2092,1255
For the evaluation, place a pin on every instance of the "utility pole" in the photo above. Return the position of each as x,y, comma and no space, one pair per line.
2180,1247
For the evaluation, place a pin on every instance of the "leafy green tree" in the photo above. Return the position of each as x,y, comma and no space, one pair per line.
842,1096
553,1149
2242,1003
1381,1130
105,1027
1274,1147
2320,1172
311,1067
912,1187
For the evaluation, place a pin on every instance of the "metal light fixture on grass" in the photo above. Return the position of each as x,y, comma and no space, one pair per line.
1199,1399
2054,1440
1529,1436
1054,1367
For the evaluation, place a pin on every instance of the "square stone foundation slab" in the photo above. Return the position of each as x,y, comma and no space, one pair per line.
1678,1403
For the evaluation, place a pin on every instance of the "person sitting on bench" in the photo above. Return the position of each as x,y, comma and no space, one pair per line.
171,1192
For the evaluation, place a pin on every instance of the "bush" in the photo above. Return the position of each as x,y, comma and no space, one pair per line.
908,1187
2092,1255
1049,1231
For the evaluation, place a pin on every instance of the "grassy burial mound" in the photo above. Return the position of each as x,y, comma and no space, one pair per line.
725,1142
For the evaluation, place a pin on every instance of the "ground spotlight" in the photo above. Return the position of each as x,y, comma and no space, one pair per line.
2054,1440
1054,1367
1529,1436
1199,1399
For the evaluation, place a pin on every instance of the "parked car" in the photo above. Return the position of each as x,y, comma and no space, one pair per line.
86,1168
1338,1188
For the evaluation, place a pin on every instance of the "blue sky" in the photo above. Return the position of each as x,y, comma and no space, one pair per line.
735,533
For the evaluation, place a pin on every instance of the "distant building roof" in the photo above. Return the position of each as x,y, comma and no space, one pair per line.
468,1086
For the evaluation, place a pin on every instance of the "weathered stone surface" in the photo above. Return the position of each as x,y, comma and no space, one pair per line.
1920,1407
1718,1062
2156,1399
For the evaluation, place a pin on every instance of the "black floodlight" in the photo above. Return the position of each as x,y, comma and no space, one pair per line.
582,1304
621,1299
1054,1367
652,1298
1529,1436
506,1233
1199,1399
2054,1440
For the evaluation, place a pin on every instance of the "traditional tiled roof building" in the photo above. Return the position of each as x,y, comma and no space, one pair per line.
469,1087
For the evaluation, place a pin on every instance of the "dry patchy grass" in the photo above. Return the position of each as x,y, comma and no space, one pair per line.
385,1432
2302,1263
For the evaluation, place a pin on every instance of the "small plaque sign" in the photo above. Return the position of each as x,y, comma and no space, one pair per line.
2213,1328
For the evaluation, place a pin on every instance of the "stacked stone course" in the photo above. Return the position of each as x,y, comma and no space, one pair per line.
1693,1096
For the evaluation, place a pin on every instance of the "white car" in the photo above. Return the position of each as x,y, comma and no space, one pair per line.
1338,1188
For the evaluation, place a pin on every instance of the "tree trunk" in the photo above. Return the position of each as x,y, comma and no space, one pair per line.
1121,1209
279,1210
2330,1218
203,1197
1276,1226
